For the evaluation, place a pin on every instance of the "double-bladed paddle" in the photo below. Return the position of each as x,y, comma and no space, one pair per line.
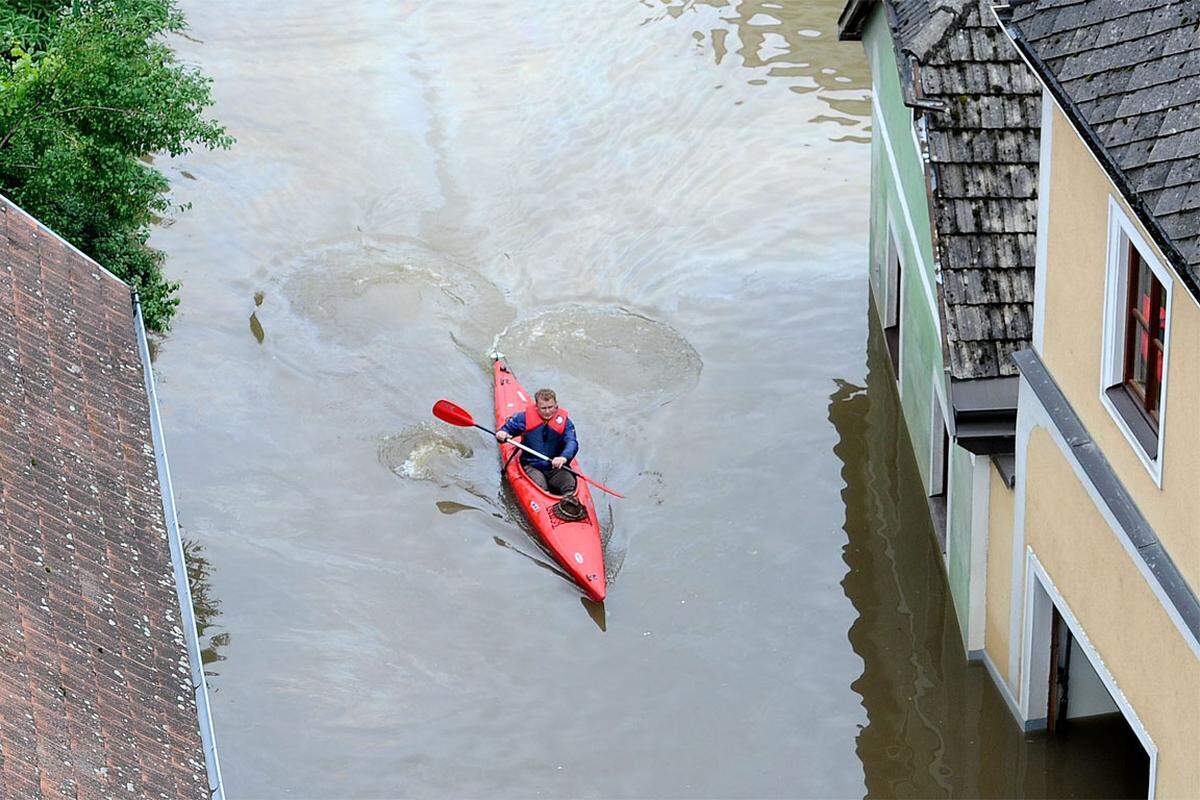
448,412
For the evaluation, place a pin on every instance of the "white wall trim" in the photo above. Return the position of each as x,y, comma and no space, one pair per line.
977,588
1041,580
1033,690
1045,148
1026,420
930,295
1112,355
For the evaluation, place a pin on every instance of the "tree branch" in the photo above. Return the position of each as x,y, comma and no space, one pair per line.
19,123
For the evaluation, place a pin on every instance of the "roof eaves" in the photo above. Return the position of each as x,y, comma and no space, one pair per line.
931,189
853,18
851,24
905,60
922,107
1093,142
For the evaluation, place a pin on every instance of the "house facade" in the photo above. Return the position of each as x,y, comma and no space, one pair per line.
1105,555
1035,261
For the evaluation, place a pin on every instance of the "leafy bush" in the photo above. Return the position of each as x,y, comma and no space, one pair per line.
87,89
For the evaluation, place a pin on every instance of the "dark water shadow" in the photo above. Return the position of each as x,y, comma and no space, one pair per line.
546,565
612,566
596,612
256,328
205,607
449,507
937,724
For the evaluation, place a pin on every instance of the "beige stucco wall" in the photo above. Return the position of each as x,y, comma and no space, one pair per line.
999,573
1148,657
1076,254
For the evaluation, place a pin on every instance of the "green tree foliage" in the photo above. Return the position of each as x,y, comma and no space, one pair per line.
87,89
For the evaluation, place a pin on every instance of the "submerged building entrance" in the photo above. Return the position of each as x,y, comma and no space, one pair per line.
1071,698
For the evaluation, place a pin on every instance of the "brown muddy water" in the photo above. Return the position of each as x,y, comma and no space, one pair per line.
659,210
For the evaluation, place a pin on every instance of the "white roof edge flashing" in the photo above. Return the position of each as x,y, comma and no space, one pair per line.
182,589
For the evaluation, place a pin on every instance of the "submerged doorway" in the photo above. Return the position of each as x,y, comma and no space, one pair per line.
1070,696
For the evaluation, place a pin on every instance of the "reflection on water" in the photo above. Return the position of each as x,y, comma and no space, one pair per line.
793,42
204,605
937,725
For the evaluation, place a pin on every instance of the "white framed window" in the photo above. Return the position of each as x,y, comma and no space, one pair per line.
1136,339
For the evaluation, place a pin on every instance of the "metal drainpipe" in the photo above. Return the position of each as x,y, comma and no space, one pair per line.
182,589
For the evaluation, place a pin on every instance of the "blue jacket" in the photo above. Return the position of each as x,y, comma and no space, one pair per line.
544,439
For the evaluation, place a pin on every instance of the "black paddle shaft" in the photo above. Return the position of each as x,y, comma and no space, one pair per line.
529,450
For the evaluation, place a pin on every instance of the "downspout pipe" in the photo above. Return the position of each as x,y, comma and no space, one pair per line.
182,589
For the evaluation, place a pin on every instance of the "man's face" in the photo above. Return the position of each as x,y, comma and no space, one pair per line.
546,408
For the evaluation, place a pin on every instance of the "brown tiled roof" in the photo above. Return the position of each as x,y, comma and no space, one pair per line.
95,687
1128,76
982,112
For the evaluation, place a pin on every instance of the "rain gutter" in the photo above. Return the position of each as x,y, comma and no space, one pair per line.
182,589
985,414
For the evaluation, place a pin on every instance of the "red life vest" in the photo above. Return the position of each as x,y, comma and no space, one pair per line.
557,423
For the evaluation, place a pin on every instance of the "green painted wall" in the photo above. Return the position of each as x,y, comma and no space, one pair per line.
901,202
898,195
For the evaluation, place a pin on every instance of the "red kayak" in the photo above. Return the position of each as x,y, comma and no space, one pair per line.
574,545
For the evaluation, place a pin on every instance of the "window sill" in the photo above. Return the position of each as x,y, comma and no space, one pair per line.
1134,419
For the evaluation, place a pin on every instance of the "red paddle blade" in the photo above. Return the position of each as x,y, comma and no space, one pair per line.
448,412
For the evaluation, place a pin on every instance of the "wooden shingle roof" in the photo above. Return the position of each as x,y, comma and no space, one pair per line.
1127,74
96,694
982,114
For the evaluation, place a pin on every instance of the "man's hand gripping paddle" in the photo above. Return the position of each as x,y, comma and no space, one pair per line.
448,412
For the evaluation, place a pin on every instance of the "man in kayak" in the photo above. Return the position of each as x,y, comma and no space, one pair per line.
547,429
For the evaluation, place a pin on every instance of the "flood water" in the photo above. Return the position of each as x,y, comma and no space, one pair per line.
660,211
